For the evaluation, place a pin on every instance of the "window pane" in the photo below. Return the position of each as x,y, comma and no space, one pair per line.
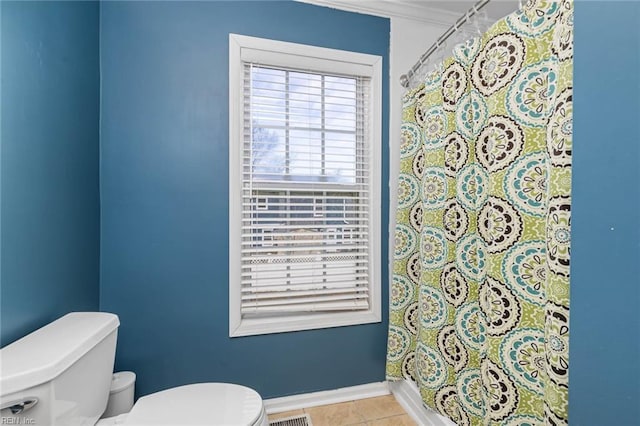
305,126
340,100
340,156
268,100
305,96
306,153
268,152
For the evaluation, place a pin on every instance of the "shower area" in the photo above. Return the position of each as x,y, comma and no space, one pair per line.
479,301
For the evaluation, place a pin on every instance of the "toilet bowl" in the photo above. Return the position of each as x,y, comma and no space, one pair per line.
44,378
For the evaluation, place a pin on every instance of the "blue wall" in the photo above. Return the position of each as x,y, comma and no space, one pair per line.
50,199
164,183
604,380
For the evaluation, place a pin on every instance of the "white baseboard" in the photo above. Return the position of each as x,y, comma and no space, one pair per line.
405,392
408,395
313,399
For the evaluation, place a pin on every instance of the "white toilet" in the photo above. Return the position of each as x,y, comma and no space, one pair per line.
60,375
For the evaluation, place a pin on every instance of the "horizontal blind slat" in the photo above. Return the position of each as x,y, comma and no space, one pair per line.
309,245
249,289
355,228
291,249
292,282
302,187
326,257
302,266
360,292
356,219
303,300
314,307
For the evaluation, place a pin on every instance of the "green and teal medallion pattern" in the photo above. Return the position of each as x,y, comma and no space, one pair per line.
480,293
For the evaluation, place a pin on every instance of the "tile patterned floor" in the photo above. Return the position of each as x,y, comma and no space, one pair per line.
379,411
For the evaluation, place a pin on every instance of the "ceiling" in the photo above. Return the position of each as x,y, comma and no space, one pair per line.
433,11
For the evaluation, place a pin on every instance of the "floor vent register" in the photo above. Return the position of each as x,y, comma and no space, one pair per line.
301,420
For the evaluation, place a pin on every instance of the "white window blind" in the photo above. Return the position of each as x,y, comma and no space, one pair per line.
306,181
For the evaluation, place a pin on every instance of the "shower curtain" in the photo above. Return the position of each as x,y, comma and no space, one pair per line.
479,316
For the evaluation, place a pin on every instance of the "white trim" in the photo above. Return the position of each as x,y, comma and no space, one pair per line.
393,9
235,193
435,14
251,46
301,56
405,392
313,399
408,396
311,321
286,54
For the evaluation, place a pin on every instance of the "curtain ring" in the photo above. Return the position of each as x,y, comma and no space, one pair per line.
469,17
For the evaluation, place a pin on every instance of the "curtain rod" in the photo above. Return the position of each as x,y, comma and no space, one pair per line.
406,78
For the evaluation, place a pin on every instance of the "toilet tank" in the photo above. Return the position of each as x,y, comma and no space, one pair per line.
65,367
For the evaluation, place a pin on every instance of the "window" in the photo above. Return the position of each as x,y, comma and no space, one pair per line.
304,214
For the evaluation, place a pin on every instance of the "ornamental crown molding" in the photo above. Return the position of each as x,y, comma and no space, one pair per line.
407,9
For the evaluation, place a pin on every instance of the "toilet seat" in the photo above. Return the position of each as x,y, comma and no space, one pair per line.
219,404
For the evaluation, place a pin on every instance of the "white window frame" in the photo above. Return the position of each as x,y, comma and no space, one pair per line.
298,56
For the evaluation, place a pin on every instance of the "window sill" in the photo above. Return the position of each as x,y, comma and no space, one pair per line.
311,321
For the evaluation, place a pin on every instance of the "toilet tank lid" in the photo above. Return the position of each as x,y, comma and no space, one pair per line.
42,355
